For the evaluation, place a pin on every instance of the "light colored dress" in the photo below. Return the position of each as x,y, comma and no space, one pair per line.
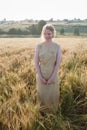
48,94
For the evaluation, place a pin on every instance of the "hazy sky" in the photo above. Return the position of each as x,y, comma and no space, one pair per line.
43,9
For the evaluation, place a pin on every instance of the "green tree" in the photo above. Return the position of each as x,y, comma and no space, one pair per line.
40,25
12,31
76,32
35,29
62,31
2,31
32,29
15,31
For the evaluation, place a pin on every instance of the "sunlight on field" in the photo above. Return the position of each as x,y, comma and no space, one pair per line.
10,44
18,104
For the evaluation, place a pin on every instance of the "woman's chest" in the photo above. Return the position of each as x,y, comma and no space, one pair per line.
46,53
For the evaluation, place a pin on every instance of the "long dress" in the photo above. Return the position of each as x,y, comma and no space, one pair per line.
47,94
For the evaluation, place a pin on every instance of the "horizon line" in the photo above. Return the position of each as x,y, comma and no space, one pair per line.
32,19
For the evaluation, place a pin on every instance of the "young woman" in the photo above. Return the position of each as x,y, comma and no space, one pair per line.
47,60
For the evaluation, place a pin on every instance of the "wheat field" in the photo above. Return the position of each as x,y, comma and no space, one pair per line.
18,95
66,42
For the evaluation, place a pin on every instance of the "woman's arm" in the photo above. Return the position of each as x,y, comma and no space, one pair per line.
36,61
58,61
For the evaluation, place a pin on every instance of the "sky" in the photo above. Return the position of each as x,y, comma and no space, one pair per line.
43,9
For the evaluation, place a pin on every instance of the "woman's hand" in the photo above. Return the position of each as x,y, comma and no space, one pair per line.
43,80
50,80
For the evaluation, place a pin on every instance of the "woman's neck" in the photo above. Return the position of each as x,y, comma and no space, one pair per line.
48,42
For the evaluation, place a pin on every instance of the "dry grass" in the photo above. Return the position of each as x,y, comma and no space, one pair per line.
18,106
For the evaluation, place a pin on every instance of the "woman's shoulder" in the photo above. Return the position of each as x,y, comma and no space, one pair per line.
38,45
56,44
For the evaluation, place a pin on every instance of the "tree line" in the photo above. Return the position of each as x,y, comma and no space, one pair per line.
34,29
76,31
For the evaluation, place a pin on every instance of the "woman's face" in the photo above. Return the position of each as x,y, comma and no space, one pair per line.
48,35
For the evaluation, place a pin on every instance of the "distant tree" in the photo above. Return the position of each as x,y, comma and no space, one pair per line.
35,29
32,29
62,31
2,31
40,25
15,31
12,31
76,32
18,31
65,20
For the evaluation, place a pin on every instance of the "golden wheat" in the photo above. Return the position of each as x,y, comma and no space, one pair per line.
18,94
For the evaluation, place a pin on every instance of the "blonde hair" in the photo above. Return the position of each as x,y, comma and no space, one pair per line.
48,27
